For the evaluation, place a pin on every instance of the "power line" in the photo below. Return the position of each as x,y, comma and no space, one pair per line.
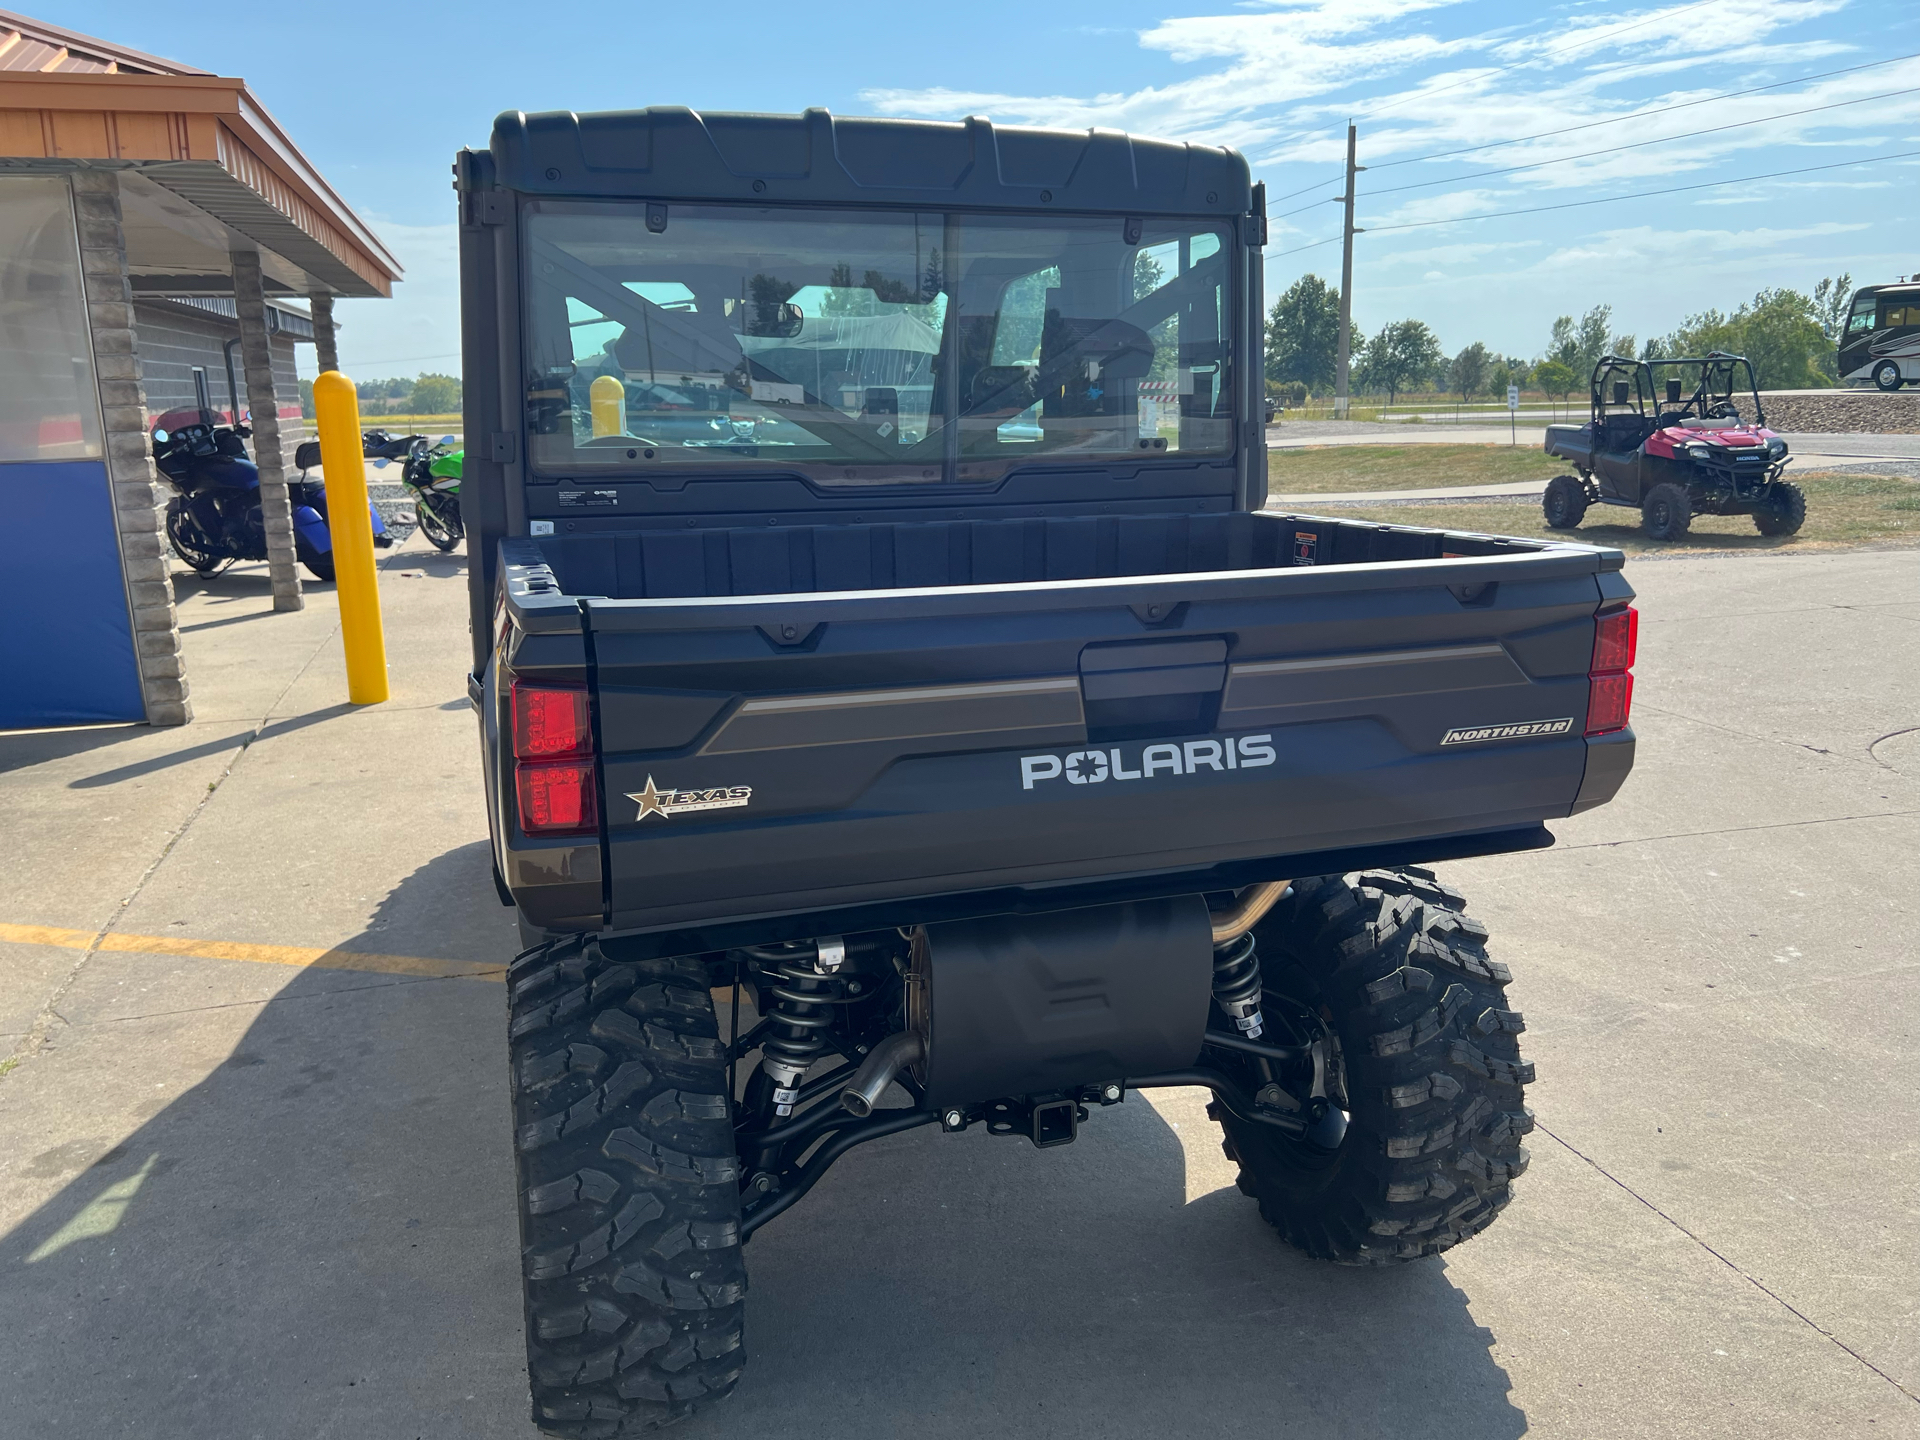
1636,115
408,359
1637,144
1331,239
1639,195
1589,39
1595,124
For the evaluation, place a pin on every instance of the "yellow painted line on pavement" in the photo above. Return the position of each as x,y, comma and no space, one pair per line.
300,956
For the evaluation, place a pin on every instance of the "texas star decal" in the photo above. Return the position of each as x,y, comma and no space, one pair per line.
668,803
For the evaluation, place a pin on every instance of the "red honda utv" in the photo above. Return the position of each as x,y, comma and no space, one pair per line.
1701,448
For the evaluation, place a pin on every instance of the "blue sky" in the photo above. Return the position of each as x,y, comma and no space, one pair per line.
382,96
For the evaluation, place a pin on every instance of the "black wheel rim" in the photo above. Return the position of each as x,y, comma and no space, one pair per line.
185,545
436,529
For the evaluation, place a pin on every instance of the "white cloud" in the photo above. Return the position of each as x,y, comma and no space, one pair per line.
1276,74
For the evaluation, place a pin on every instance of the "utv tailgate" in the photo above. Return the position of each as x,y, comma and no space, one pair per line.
770,754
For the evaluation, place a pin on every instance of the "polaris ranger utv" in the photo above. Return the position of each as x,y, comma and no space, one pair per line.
1693,453
875,622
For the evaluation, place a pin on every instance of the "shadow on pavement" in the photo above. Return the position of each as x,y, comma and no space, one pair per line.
21,749
247,580
208,747
319,1238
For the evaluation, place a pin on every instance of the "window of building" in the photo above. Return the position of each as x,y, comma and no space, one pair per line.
49,405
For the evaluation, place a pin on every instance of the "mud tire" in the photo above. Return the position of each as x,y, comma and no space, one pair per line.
628,1190
1565,502
1787,513
1666,512
1429,1071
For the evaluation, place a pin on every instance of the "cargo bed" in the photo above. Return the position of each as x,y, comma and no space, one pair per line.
923,719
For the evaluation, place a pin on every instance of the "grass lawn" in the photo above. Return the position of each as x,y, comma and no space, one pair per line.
1841,510
1321,469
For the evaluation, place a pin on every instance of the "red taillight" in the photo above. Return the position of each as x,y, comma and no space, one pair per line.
1609,702
548,721
1616,636
557,797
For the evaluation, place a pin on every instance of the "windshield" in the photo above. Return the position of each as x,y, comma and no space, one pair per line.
870,347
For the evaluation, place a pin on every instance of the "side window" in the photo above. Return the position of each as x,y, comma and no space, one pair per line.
1901,315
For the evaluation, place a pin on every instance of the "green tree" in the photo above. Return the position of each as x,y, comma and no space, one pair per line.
1148,275
306,399
434,395
841,297
1404,351
1779,330
1579,345
1303,335
1555,377
1832,299
1469,371
1511,371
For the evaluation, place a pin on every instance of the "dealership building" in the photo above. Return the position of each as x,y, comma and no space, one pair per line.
155,221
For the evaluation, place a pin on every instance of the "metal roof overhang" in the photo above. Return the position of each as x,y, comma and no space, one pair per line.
207,139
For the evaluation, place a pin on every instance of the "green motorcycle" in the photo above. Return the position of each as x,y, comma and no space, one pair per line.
432,474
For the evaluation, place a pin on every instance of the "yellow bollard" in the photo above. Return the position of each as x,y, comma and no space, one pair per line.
607,398
343,462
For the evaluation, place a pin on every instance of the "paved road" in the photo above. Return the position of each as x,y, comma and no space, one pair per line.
246,1194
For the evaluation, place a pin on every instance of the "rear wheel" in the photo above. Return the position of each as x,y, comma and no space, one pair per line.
1428,1068
1887,375
1786,513
1565,502
439,517
1666,512
629,1190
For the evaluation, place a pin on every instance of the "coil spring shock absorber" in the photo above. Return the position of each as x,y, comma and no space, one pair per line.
1236,984
804,993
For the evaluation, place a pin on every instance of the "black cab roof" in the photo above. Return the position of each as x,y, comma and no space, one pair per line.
671,152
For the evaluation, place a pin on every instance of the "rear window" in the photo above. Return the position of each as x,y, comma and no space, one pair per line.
870,347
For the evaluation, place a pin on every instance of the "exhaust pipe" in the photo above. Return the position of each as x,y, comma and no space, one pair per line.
1249,908
870,1081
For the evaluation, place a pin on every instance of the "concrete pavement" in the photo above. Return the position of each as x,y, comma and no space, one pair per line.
245,1191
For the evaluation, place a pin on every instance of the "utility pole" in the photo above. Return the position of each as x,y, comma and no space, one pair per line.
1341,388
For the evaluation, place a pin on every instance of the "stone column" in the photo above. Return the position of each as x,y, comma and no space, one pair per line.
326,350
276,509
139,499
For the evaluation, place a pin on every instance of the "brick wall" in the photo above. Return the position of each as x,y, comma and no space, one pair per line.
173,339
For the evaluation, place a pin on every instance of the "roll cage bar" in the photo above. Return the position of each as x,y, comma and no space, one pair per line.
1711,397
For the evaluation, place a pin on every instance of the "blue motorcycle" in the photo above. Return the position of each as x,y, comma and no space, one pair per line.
215,518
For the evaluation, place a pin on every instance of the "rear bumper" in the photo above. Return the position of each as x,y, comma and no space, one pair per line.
643,941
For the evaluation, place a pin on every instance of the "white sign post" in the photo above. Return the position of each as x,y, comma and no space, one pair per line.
1513,404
